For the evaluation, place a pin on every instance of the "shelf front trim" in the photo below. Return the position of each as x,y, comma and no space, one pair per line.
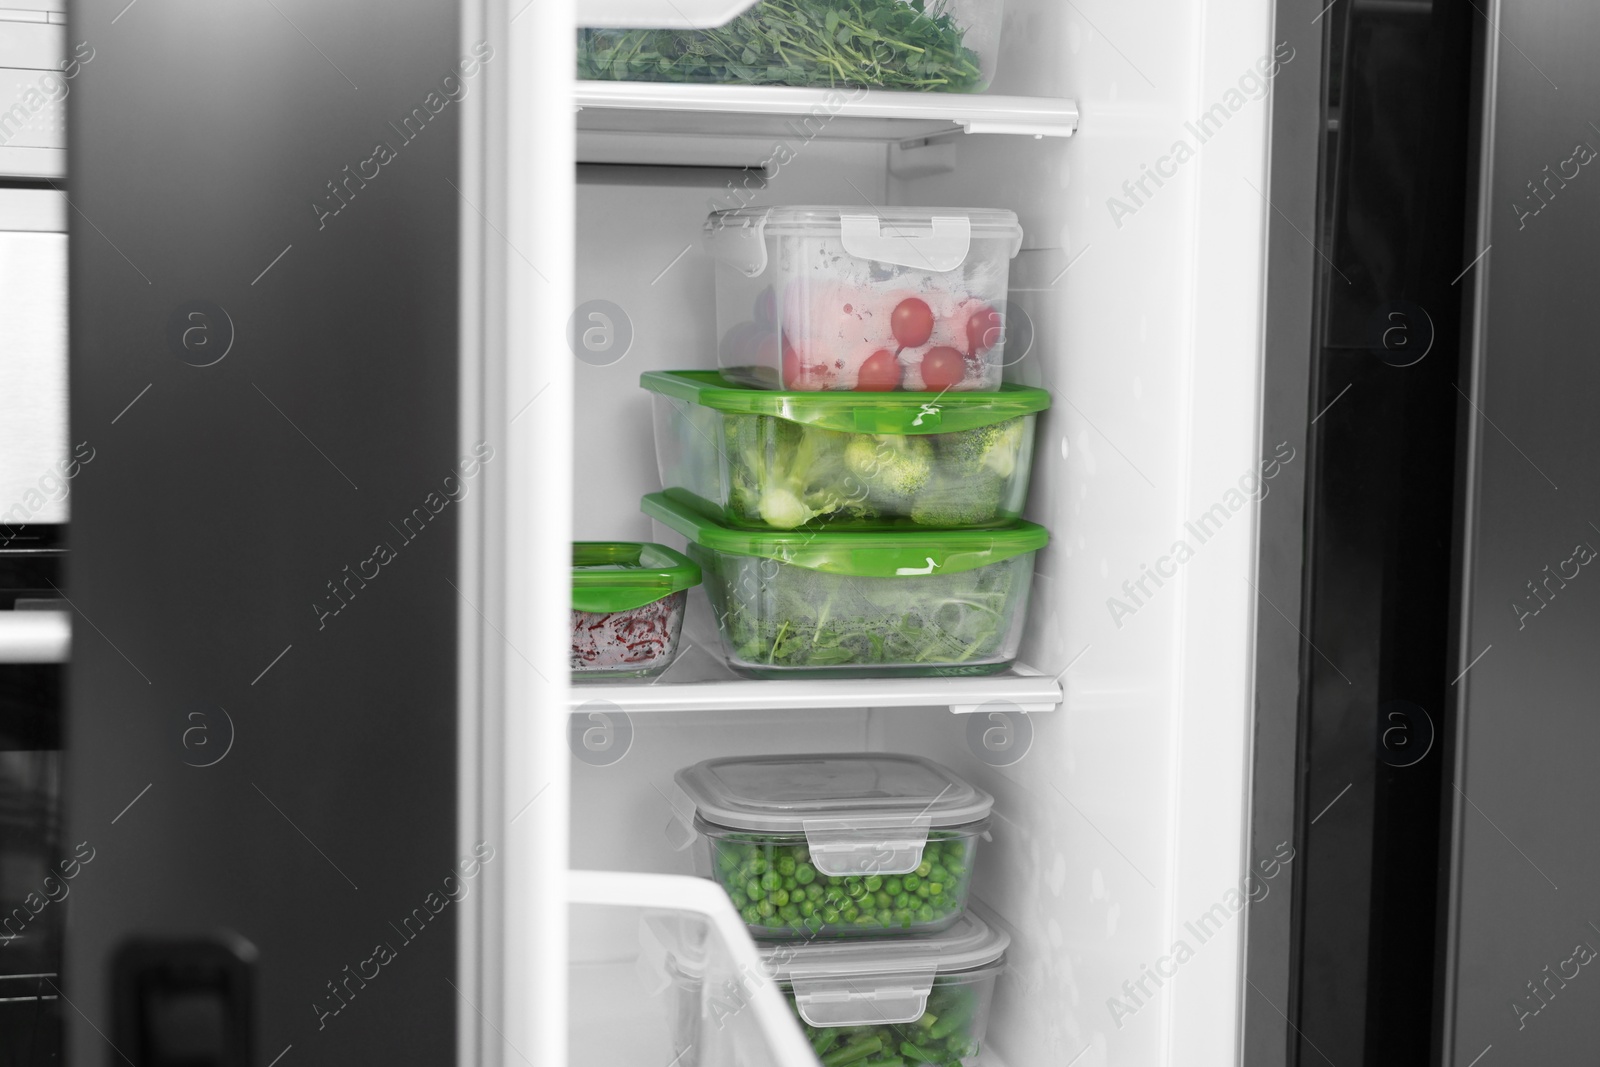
1019,690
976,112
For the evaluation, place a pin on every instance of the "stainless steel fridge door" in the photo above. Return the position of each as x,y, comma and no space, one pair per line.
1523,983
264,570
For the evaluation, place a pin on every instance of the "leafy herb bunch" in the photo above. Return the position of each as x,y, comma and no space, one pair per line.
907,45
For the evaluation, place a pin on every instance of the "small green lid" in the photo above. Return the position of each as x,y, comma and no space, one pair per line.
864,553
618,575
851,412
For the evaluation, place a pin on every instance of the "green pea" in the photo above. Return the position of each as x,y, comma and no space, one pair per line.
779,897
786,866
805,873
874,883
936,888
771,880
893,886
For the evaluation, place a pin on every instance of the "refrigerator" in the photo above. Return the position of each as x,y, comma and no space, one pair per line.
360,298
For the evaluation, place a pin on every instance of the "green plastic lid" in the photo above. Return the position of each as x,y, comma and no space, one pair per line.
618,575
851,412
864,553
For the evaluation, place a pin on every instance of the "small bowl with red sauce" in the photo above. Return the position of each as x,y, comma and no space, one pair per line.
627,608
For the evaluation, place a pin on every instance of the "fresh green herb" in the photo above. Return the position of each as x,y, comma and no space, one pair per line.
785,475
781,893
884,44
783,616
952,1008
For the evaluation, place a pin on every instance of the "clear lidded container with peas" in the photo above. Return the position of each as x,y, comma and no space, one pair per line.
920,1001
862,844
910,1001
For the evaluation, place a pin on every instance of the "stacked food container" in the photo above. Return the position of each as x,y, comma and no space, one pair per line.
855,870
851,482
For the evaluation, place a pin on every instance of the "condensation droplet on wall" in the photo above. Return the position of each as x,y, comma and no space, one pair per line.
1053,932
1113,913
1105,568
1097,885
1057,878
1065,451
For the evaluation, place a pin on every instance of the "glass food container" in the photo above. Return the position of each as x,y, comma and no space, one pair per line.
900,45
627,608
765,459
919,1001
906,602
862,844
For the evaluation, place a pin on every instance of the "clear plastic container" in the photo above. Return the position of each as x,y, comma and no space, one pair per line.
627,608
931,46
862,844
822,298
921,1000
883,603
779,460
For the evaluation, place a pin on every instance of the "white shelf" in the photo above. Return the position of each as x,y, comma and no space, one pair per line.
700,681
663,110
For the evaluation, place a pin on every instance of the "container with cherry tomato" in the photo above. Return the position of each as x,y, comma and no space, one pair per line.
836,298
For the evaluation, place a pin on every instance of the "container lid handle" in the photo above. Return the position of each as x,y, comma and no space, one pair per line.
864,1000
944,249
867,845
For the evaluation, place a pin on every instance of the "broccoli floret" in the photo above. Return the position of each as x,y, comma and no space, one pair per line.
783,510
782,472
969,502
892,467
993,448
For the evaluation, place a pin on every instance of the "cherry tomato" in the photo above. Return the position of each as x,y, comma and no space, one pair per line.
943,368
879,373
985,329
912,322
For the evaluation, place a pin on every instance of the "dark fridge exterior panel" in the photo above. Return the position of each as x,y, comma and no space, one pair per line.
262,724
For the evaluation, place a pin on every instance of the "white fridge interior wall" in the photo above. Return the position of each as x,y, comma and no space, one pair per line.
1123,825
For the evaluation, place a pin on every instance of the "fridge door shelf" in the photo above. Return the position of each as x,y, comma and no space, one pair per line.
700,681
648,117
